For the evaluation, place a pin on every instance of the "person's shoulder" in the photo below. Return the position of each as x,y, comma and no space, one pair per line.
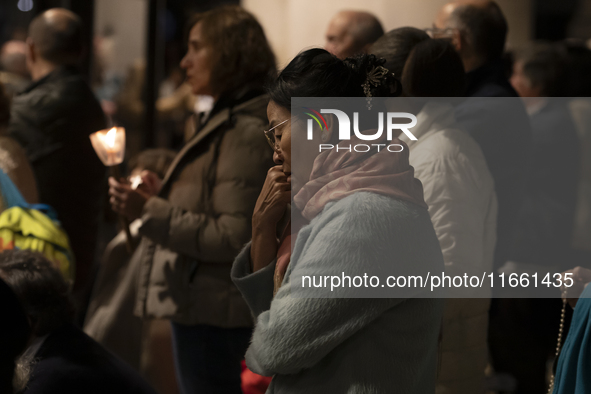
452,154
494,89
442,142
363,201
59,369
502,119
73,89
457,142
491,82
553,115
248,121
71,359
70,340
255,106
252,113
68,93
371,210
58,375
554,124
248,127
445,146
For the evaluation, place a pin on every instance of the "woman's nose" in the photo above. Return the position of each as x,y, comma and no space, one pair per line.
277,157
184,62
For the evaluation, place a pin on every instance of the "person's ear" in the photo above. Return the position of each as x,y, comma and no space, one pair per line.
458,40
366,48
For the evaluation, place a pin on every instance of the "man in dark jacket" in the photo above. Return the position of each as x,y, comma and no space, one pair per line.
492,114
60,358
496,118
52,120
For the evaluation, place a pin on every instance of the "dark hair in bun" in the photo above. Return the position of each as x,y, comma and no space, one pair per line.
317,73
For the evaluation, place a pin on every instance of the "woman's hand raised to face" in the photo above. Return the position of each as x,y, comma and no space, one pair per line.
125,200
274,197
268,211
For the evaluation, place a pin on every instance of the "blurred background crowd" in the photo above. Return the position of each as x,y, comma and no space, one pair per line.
69,68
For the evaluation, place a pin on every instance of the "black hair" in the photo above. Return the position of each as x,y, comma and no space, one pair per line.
485,27
43,292
396,45
317,73
434,69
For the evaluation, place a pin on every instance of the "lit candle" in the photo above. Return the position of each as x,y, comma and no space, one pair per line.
109,146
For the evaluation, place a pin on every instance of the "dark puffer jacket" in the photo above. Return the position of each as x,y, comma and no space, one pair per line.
201,219
52,120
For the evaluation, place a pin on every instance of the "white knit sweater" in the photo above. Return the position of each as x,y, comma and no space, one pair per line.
347,345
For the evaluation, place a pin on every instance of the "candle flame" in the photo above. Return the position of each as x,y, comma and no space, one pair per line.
110,139
109,145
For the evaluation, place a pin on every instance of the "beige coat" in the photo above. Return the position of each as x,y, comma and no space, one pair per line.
109,318
460,193
145,345
201,219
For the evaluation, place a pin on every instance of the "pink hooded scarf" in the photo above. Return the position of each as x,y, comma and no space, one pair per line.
338,174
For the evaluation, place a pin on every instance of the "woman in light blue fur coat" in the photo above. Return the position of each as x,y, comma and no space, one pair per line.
356,213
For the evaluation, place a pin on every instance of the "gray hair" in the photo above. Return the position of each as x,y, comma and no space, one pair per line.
366,29
484,26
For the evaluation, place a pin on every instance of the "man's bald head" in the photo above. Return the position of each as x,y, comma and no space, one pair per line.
352,32
13,57
481,24
57,36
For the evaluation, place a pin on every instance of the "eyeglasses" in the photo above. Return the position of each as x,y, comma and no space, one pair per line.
271,136
436,32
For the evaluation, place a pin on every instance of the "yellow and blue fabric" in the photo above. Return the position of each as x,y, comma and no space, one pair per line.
33,227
